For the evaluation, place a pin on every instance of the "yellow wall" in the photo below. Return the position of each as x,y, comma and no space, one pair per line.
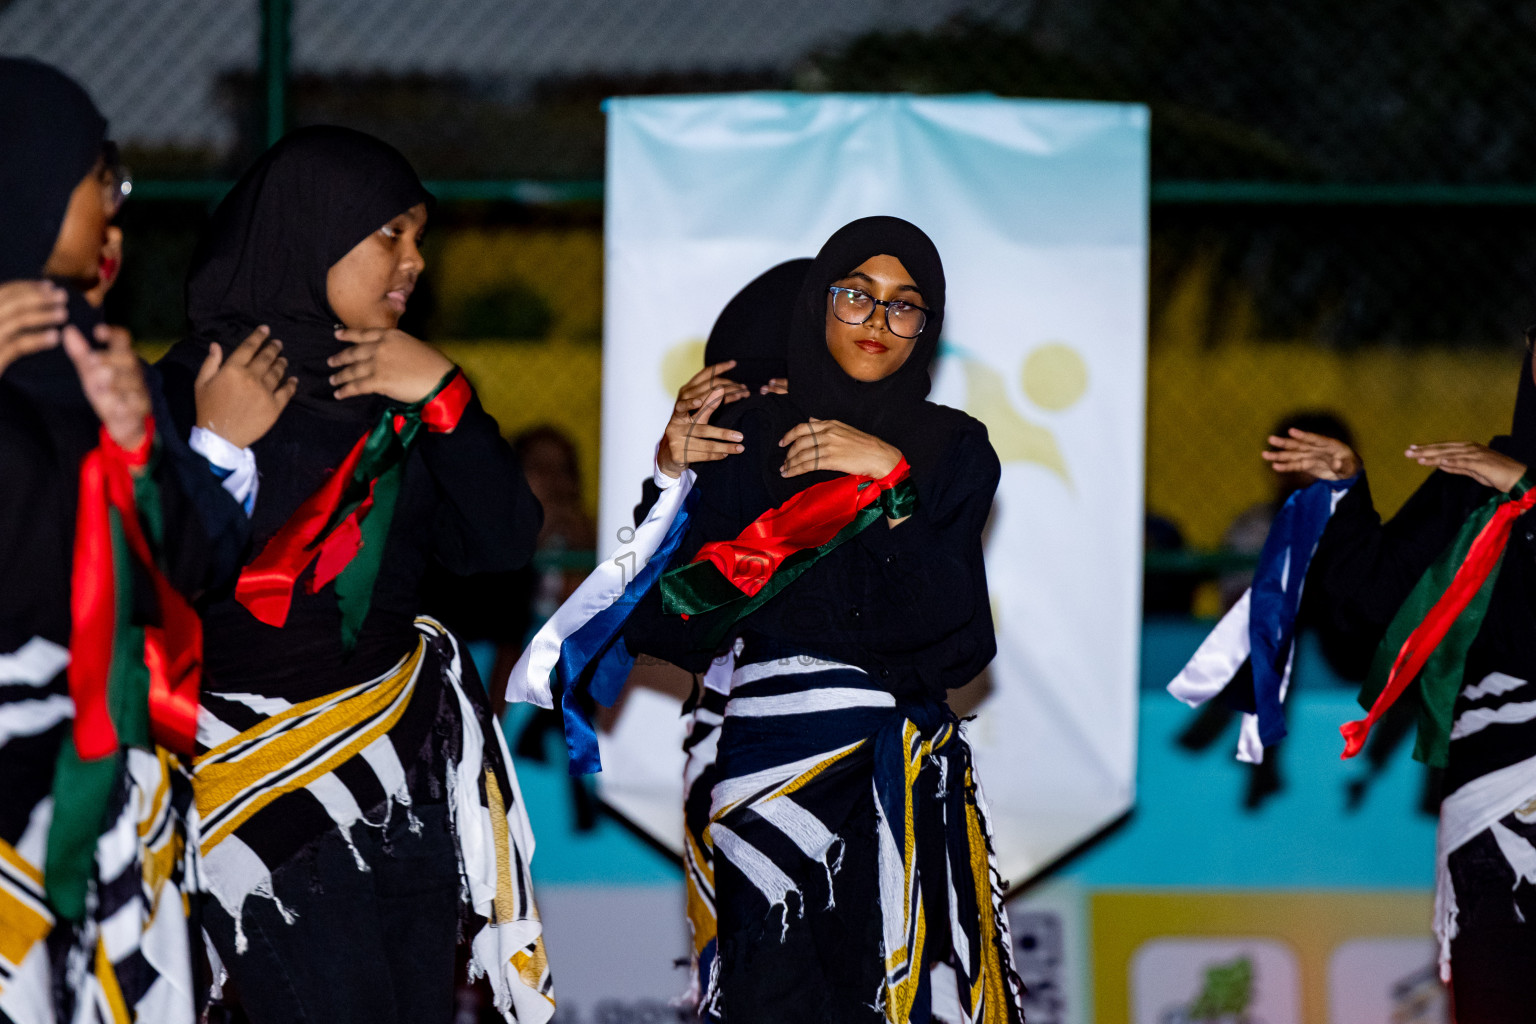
1210,406
554,382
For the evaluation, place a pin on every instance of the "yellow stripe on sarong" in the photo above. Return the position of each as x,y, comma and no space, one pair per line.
701,912
218,782
990,996
22,924
20,864
21,928
806,777
162,794
110,990
506,898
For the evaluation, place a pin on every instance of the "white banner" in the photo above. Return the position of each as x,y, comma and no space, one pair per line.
1039,210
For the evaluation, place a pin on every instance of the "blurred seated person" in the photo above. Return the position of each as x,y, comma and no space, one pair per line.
504,609
1165,592
550,464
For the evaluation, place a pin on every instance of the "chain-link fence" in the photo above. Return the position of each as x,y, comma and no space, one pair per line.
1342,192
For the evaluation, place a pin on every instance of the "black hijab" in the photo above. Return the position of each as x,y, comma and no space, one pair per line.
51,135
753,327
263,259
1521,441
895,408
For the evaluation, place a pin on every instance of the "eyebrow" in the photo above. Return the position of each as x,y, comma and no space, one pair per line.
865,277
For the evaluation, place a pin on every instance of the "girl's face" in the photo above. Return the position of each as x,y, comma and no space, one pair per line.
370,286
871,351
76,252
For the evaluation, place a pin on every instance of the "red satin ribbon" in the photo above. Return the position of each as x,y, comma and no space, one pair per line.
808,520
173,650
442,414
266,585
1483,555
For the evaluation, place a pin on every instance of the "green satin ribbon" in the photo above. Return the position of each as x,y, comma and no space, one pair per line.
1440,680
378,471
699,588
83,790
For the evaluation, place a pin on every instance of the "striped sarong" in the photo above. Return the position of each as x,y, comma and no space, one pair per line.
803,744
129,959
272,777
702,726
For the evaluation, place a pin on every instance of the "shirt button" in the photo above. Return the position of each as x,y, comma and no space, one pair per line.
885,673
853,612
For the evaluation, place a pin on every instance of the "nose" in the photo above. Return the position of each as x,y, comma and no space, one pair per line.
412,259
885,318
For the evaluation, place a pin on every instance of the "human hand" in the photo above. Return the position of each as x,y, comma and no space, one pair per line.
1325,458
701,384
31,313
775,386
1466,458
689,438
239,398
386,361
113,381
833,445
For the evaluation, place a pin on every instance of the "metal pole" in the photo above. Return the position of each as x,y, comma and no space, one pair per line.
275,45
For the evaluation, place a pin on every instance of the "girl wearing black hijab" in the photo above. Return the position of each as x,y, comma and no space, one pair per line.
1447,588
748,341
109,528
350,780
840,556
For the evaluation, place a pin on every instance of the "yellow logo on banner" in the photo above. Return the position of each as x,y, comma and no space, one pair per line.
1053,377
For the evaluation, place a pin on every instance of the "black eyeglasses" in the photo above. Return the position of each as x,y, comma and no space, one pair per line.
852,306
116,182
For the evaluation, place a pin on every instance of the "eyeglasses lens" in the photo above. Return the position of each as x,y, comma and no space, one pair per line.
852,307
906,321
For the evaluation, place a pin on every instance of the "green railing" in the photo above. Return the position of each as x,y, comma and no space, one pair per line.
276,42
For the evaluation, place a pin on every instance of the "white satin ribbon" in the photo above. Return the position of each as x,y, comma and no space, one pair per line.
530,678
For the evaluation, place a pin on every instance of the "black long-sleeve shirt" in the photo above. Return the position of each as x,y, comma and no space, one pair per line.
463,503
46,428
1365,568
908,603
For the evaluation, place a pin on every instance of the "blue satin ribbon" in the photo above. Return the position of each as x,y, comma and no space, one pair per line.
598,641
1272,607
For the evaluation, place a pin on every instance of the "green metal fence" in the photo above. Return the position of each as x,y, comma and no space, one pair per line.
1350,185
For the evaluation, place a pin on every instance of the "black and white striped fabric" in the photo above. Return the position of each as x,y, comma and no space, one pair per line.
1490,817
272,777
129,960
699,776
804,745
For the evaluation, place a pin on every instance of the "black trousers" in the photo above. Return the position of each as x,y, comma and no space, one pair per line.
371,947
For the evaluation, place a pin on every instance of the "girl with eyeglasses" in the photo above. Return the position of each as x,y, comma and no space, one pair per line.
840,556
358,809
110,529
